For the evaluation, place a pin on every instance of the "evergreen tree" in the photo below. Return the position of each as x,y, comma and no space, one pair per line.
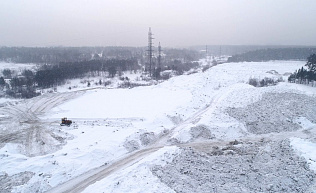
7,73
112,71
311,63
2,82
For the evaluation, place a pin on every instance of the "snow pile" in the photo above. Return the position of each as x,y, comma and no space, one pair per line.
252,167
307,149
8,182
201,132
276,112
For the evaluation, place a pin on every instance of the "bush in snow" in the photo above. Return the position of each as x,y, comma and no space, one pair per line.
165,75
127,84
205,68
131,145
107,83
264,82
253,82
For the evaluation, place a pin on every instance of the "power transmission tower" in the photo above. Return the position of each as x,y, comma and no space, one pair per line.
206,53
150,50
159,56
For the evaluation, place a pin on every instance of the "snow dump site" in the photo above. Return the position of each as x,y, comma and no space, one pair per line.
205,132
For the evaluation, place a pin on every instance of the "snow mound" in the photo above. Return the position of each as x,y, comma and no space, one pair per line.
276,112
307,149
8,182
252,167
202,132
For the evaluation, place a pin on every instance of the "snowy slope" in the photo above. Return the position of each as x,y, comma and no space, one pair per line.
107,119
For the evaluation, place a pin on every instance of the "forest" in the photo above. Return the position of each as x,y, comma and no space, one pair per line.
263,55
59,64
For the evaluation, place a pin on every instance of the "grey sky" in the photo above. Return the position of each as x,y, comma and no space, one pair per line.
175,23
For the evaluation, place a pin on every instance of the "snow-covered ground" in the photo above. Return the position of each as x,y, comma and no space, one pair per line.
203,110
17,67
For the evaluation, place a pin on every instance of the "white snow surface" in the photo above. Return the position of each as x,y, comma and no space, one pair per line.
137,177
106,118
307,149
139,102
16,66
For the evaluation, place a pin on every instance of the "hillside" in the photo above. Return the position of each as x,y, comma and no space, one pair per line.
204,132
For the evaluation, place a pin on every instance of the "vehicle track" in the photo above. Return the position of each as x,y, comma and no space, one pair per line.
81,182
78,184
25,127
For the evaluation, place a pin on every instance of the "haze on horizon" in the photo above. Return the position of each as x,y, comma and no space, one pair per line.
174,23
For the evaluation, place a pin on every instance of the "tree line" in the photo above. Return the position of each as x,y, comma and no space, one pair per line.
51,75
307,74
59,64
19,86
48,76
273,54
55,55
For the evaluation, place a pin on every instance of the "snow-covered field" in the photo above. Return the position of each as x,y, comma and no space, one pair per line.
16,67
207,132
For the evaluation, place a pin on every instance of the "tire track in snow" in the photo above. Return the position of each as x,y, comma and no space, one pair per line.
81,182
32,131
196,117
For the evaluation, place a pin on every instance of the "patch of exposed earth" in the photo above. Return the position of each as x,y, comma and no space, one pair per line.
251,167
276,112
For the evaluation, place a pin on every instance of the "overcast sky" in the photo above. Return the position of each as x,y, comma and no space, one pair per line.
175,23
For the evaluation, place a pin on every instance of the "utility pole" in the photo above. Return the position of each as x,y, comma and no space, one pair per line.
150,50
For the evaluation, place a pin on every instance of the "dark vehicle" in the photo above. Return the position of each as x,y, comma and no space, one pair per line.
65,121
